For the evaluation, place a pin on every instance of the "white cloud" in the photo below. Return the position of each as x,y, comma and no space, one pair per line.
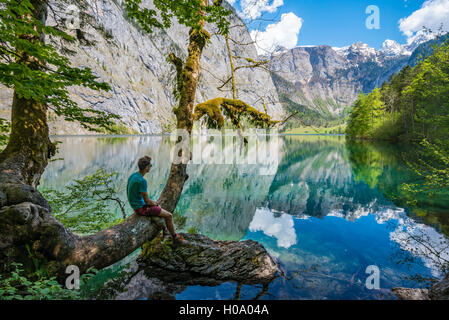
283,33
231,2
253,9
281,228
422,242
432,14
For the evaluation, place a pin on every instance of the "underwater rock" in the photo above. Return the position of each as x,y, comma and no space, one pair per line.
201,257
439,291
411,294
163,269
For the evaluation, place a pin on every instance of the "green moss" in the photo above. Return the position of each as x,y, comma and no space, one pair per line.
193,230
216,109
177,62
200,37
210,110
157,247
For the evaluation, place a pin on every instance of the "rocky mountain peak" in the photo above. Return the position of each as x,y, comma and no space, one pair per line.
328,79
391,48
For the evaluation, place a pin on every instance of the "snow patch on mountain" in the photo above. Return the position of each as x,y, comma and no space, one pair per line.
391,48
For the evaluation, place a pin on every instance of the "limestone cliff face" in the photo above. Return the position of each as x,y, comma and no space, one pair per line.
312,75
327,80
135,66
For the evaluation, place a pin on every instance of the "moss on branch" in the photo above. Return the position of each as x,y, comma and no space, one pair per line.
215,111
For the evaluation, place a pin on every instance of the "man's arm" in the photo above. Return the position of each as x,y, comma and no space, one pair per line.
147,200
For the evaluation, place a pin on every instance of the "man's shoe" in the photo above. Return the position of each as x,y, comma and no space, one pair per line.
178,240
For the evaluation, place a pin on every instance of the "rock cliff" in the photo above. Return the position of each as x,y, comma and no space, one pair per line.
327,80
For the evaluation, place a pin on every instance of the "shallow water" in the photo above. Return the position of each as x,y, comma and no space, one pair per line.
323,208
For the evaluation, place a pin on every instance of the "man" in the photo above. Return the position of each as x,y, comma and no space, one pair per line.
137,191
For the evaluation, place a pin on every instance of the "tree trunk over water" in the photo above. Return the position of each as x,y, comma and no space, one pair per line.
184,114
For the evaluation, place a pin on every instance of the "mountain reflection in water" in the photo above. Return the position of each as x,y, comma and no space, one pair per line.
324,213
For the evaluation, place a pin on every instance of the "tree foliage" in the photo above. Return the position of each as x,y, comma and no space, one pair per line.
86,205
18,286
185,11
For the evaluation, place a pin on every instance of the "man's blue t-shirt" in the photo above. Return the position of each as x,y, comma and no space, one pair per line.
136,185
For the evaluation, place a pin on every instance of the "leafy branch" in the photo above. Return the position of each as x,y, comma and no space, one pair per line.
87,204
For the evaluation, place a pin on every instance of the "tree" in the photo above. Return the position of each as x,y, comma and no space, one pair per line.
40,76
359,118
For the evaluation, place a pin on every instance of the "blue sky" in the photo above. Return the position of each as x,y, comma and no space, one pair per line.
341,23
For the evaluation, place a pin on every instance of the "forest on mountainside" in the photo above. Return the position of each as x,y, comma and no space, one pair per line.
412,106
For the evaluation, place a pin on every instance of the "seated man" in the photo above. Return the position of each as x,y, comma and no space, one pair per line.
137,192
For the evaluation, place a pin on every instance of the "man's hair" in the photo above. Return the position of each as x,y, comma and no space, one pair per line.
143,163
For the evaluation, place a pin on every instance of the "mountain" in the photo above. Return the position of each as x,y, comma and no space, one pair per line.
134,64
323,81
392,48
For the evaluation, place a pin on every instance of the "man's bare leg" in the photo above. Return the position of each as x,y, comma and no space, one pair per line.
168,217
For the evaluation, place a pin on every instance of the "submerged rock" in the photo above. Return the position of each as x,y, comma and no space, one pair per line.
439,291
411,294
163,270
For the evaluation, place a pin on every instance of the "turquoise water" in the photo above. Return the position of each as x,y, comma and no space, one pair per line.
323,208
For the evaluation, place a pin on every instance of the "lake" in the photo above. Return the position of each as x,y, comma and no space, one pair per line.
326,209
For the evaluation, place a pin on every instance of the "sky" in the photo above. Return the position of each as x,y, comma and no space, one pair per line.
339,23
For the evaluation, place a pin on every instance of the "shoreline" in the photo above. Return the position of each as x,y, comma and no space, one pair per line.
169,134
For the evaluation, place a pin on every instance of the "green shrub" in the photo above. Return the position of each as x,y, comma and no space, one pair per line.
20,287
86,206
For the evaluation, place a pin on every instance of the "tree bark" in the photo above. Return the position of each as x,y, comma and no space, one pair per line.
29,147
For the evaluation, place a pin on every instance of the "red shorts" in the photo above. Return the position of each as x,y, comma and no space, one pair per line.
147,211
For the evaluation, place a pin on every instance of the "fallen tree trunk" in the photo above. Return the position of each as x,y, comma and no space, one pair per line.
29,229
